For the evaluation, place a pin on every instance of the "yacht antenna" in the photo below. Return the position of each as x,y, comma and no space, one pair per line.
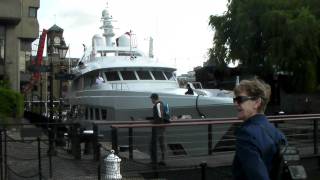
84,48
130,36
107,26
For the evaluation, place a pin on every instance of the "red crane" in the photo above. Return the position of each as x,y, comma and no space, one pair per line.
36,63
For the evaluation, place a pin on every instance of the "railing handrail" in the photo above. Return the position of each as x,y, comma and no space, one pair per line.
97,122
26,124
233,120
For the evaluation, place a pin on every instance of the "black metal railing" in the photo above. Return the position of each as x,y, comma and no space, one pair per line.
301,130
203,145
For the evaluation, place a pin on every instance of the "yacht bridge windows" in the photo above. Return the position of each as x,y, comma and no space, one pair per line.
128,75
112,76
144,75
120,76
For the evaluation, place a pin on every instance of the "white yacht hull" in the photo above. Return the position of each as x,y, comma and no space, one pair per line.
125,105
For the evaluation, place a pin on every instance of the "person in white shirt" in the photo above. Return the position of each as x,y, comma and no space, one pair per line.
99,80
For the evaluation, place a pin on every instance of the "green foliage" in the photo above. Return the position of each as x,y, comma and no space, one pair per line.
310,78
11,104
275,35
4,83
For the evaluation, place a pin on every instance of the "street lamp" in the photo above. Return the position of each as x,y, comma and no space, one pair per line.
62,49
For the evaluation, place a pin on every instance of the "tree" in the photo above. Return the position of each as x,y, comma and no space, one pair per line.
270,36
11,105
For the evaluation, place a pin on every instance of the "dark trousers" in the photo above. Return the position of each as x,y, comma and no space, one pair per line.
158,135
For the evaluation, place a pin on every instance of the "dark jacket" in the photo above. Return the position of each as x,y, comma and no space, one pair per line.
255,149
158,109
189,91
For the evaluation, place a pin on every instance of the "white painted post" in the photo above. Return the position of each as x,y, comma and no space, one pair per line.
112,162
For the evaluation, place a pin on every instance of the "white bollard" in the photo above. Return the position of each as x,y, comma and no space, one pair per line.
112,162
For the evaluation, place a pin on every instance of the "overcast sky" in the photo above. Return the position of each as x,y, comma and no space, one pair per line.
179,27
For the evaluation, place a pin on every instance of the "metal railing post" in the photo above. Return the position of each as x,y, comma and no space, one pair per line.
75,142
315,136
5,154
95,144
39,158
154,153
99,164
210,139
130,143
203,166
114,136
1,155
50,165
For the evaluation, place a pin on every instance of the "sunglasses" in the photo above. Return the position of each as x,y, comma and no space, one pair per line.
242,99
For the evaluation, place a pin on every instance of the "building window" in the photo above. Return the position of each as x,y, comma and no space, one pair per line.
25,45
33,12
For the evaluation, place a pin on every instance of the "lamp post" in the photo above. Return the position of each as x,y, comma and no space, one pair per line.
57,48
51,150
62,49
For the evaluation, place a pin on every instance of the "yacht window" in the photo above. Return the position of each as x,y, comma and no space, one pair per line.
97,114
144,75
86,113
128,75
169,75
158,75
112,76
104,114
91,114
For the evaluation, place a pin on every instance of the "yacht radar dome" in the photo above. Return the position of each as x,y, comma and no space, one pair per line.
123,41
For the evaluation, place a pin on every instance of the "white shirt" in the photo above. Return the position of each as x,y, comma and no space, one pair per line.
99,80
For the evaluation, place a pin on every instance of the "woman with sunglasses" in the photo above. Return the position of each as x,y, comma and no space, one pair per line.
256,139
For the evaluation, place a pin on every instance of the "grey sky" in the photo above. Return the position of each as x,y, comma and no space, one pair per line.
179,27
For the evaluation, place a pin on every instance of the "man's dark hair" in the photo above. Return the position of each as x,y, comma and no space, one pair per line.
154,96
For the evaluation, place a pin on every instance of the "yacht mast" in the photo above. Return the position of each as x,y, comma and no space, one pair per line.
107,27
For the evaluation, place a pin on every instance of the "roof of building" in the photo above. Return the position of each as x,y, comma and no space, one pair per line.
56,28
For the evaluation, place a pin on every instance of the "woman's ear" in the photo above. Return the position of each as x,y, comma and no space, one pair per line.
258,103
